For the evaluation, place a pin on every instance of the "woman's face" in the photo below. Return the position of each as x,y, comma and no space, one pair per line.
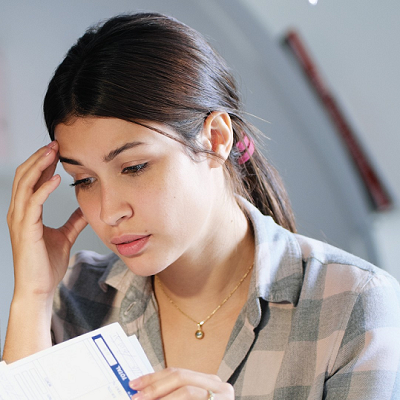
146,199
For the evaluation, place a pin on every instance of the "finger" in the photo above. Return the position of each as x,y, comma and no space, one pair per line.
33,212
26,184
148,379
162,383
27,165
189,392
48,172
74,226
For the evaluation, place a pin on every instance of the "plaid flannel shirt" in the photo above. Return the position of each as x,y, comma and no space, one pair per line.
319,323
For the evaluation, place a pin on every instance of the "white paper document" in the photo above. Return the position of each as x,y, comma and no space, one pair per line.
97,365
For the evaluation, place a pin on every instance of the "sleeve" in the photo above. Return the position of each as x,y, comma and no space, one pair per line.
367,365
82,300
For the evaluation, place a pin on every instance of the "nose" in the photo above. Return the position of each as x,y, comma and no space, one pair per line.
114,205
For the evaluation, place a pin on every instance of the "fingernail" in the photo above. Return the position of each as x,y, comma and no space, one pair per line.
139,396
135,383
49,148
51,144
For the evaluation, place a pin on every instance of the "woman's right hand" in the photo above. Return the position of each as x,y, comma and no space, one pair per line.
40,253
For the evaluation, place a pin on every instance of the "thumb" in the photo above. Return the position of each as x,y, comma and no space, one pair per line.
74,226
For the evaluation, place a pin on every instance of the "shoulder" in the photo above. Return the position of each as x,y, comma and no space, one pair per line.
350,296
355,308
91,259
88,267
292,267
340,271
83,301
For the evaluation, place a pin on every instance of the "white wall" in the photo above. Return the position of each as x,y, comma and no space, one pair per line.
356,45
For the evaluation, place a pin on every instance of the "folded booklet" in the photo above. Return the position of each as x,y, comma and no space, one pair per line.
96,365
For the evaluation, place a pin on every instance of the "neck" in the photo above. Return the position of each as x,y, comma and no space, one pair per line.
209,271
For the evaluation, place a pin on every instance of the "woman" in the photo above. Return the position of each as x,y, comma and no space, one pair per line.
206,268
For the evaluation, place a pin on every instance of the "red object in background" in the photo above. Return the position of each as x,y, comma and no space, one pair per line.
380,197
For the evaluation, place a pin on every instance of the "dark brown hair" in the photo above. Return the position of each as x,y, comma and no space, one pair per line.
150,67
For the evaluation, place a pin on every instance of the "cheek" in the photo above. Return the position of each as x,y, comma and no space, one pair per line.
182,201
89,207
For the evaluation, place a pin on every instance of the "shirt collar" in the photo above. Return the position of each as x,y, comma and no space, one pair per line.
120,277
278,264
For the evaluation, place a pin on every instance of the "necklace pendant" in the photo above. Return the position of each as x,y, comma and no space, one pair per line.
199,333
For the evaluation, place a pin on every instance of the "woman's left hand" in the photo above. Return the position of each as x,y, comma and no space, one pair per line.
176,383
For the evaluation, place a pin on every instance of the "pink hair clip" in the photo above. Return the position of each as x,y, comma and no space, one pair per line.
246,147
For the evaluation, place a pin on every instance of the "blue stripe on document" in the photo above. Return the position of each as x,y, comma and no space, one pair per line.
113,363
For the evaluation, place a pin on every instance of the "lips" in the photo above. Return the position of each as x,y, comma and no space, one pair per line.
130,245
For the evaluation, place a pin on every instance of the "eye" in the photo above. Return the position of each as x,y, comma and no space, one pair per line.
134,169
83,183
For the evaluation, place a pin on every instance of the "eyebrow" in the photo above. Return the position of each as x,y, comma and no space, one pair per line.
109,157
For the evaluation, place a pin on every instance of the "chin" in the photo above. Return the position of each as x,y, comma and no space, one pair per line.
142,267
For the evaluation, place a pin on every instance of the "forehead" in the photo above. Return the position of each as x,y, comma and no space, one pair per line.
86,140
102,131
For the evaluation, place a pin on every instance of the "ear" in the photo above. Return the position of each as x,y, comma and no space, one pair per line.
217,135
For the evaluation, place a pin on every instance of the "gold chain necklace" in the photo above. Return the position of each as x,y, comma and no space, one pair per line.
199,334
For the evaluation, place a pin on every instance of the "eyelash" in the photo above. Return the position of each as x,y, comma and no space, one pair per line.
132,170
82,183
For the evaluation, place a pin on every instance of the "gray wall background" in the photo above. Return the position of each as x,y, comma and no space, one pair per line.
326,192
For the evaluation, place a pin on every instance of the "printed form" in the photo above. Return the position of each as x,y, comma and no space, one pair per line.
96,365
